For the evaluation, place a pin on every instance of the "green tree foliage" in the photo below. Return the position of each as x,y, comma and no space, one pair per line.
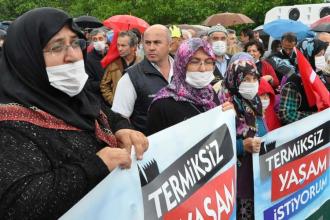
153,11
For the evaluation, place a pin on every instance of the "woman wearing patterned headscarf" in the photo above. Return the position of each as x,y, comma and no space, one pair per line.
317,52
242,82
190,91
313,50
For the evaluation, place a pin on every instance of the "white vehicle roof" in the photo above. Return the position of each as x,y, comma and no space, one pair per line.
307,13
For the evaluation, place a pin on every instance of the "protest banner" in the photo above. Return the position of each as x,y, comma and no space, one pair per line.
188,172
291,172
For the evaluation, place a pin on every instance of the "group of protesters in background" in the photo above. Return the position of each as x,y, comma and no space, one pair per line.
68,118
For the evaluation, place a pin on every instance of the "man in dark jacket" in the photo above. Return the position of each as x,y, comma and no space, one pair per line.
284,61
136,89
293,100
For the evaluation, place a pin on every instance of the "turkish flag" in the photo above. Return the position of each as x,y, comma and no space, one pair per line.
112,53
316,92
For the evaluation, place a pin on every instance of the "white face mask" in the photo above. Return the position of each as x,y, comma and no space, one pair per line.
219,47
68,78
99,45
265,103
320,63
248,90
199,80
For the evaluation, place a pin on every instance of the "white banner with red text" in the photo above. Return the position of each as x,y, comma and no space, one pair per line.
291,172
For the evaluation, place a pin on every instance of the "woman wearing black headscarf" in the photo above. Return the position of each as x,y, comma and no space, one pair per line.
55,143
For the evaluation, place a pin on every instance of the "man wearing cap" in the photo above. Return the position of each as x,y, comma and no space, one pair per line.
176,36
217,36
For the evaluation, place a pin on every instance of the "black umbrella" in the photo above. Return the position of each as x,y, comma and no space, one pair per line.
88,22
325,27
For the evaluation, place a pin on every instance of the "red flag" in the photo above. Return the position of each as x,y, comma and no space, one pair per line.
316,92
112,53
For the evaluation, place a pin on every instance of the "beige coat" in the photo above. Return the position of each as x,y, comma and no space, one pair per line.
112,75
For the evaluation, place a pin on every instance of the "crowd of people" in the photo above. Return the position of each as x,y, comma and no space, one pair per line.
67,118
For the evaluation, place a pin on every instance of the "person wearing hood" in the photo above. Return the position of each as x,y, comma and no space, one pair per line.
267,97
190,91
56,144
217,36
242,82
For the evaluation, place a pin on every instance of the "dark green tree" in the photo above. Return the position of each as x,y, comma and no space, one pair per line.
153,11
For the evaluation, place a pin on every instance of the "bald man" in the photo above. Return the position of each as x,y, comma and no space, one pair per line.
137,88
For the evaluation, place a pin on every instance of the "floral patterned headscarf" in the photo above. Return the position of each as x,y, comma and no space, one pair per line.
178,89
240,65
310,47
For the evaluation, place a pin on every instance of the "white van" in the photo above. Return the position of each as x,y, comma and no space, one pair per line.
307,14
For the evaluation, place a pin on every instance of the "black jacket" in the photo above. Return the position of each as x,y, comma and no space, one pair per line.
147,81
43,171
166,112
94,69
217,74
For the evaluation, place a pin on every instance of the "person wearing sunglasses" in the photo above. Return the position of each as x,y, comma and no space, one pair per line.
55,142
